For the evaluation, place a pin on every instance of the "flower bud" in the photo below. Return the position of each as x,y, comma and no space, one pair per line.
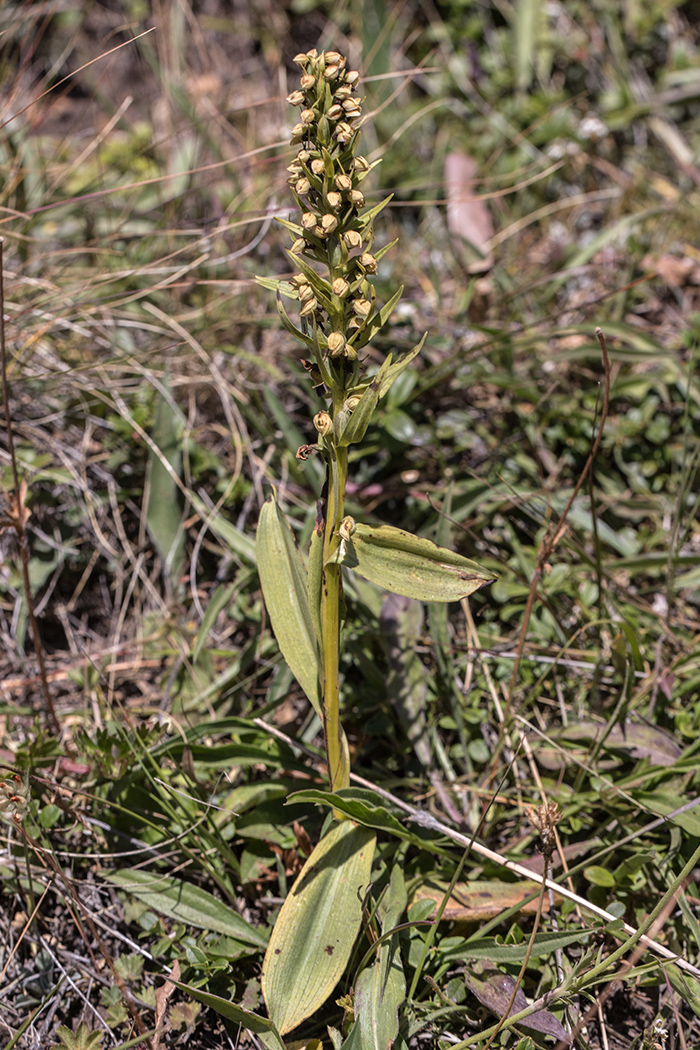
295,168
352,107
298,246
303,156
362,307
336,344
307,81
340,287
352,402
352,239
343,182
302,187
369,262
307,116
330,72
334,199
323,423
305,292
334,58
309,307
343,132
346,528
300,59
296,98
308,220
357,198
352,77
329,223
317,166
298,132
334,112
343,92
360,164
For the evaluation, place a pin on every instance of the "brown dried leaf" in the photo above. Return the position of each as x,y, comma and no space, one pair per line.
478,901
641,741
675,271
467,215
495,993
162,995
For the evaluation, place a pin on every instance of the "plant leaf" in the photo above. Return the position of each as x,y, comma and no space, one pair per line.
492,950
358,422
186,903
315,931
381,989
495,993
410,565
285,588
365,807
164,512
397,367
260,1026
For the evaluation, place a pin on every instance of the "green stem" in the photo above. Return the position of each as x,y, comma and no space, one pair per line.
336,746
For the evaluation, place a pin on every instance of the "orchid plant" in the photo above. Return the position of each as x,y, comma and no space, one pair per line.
334,257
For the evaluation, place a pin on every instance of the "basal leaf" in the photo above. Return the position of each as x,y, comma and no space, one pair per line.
260,1026
186,903
285,589
316,929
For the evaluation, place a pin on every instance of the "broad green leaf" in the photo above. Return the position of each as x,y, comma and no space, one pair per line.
599,876
381,988
284,583
260,1026
410,565
316,929
186,903
164,510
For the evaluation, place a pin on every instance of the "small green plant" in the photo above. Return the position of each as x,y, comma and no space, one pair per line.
333,252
